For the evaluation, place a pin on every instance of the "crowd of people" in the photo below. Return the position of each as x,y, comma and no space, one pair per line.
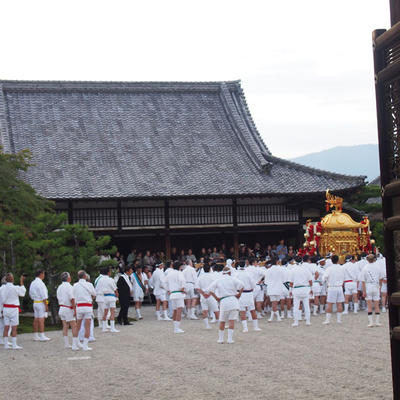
212,288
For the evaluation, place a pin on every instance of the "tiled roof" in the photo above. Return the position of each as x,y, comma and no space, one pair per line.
157,139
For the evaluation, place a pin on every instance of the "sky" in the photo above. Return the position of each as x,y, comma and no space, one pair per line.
306,66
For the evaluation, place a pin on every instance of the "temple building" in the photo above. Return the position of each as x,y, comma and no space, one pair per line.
161,164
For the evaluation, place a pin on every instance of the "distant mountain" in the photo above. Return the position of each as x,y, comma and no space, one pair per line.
350,160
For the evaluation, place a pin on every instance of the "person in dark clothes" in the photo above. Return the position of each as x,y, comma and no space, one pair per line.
125,291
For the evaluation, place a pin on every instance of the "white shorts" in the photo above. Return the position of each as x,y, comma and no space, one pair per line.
84,313
323,290
317,289
246,302
230,315
161,297
10,317
275,297
138,298
301,292
384,288
265,290
350,288
66,314
258,294
372,292
335,295
190,291
39,310
110,301
177,303
209,304
285,293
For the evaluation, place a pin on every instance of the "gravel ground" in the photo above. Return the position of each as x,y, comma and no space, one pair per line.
148,361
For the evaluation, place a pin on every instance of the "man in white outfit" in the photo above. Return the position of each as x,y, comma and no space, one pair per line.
107,287
318,288
139,289
246,301
334,277
157,281
39,295
275,278
351,272
84,293
9,303
208,303
100,298
257,275
371,277
382,263
67,311
3,285
226,290
190,275
175,285
301,278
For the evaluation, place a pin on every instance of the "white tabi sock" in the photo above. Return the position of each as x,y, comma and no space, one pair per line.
14,341
36,335
356,307
176,325
165,312
315,309
104,325
206,323
339,317
377,319
321,308
244,323
346,308
158,314
221,336
328,317
230,335
278,317
5,341
138,313
85,343
370,321
112,323
255,324
66,342
250,318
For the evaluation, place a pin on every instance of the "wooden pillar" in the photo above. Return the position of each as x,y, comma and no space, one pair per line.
394,11
300,234
119,215
167,233
70,213
235,228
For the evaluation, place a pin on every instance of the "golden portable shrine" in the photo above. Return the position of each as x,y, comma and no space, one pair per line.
337,232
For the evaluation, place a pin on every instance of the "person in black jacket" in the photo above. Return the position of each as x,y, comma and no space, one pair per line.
124,286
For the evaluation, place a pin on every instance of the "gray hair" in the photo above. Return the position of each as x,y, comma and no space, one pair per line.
64,276
81,274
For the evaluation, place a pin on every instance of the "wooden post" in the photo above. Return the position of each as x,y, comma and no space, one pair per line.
70,213
119,216
394,11
235,228
167,234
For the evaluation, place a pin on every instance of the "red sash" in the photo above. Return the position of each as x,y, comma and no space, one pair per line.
62,305
12,306
84,305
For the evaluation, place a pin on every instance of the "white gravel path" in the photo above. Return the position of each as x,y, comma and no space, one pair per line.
148,361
